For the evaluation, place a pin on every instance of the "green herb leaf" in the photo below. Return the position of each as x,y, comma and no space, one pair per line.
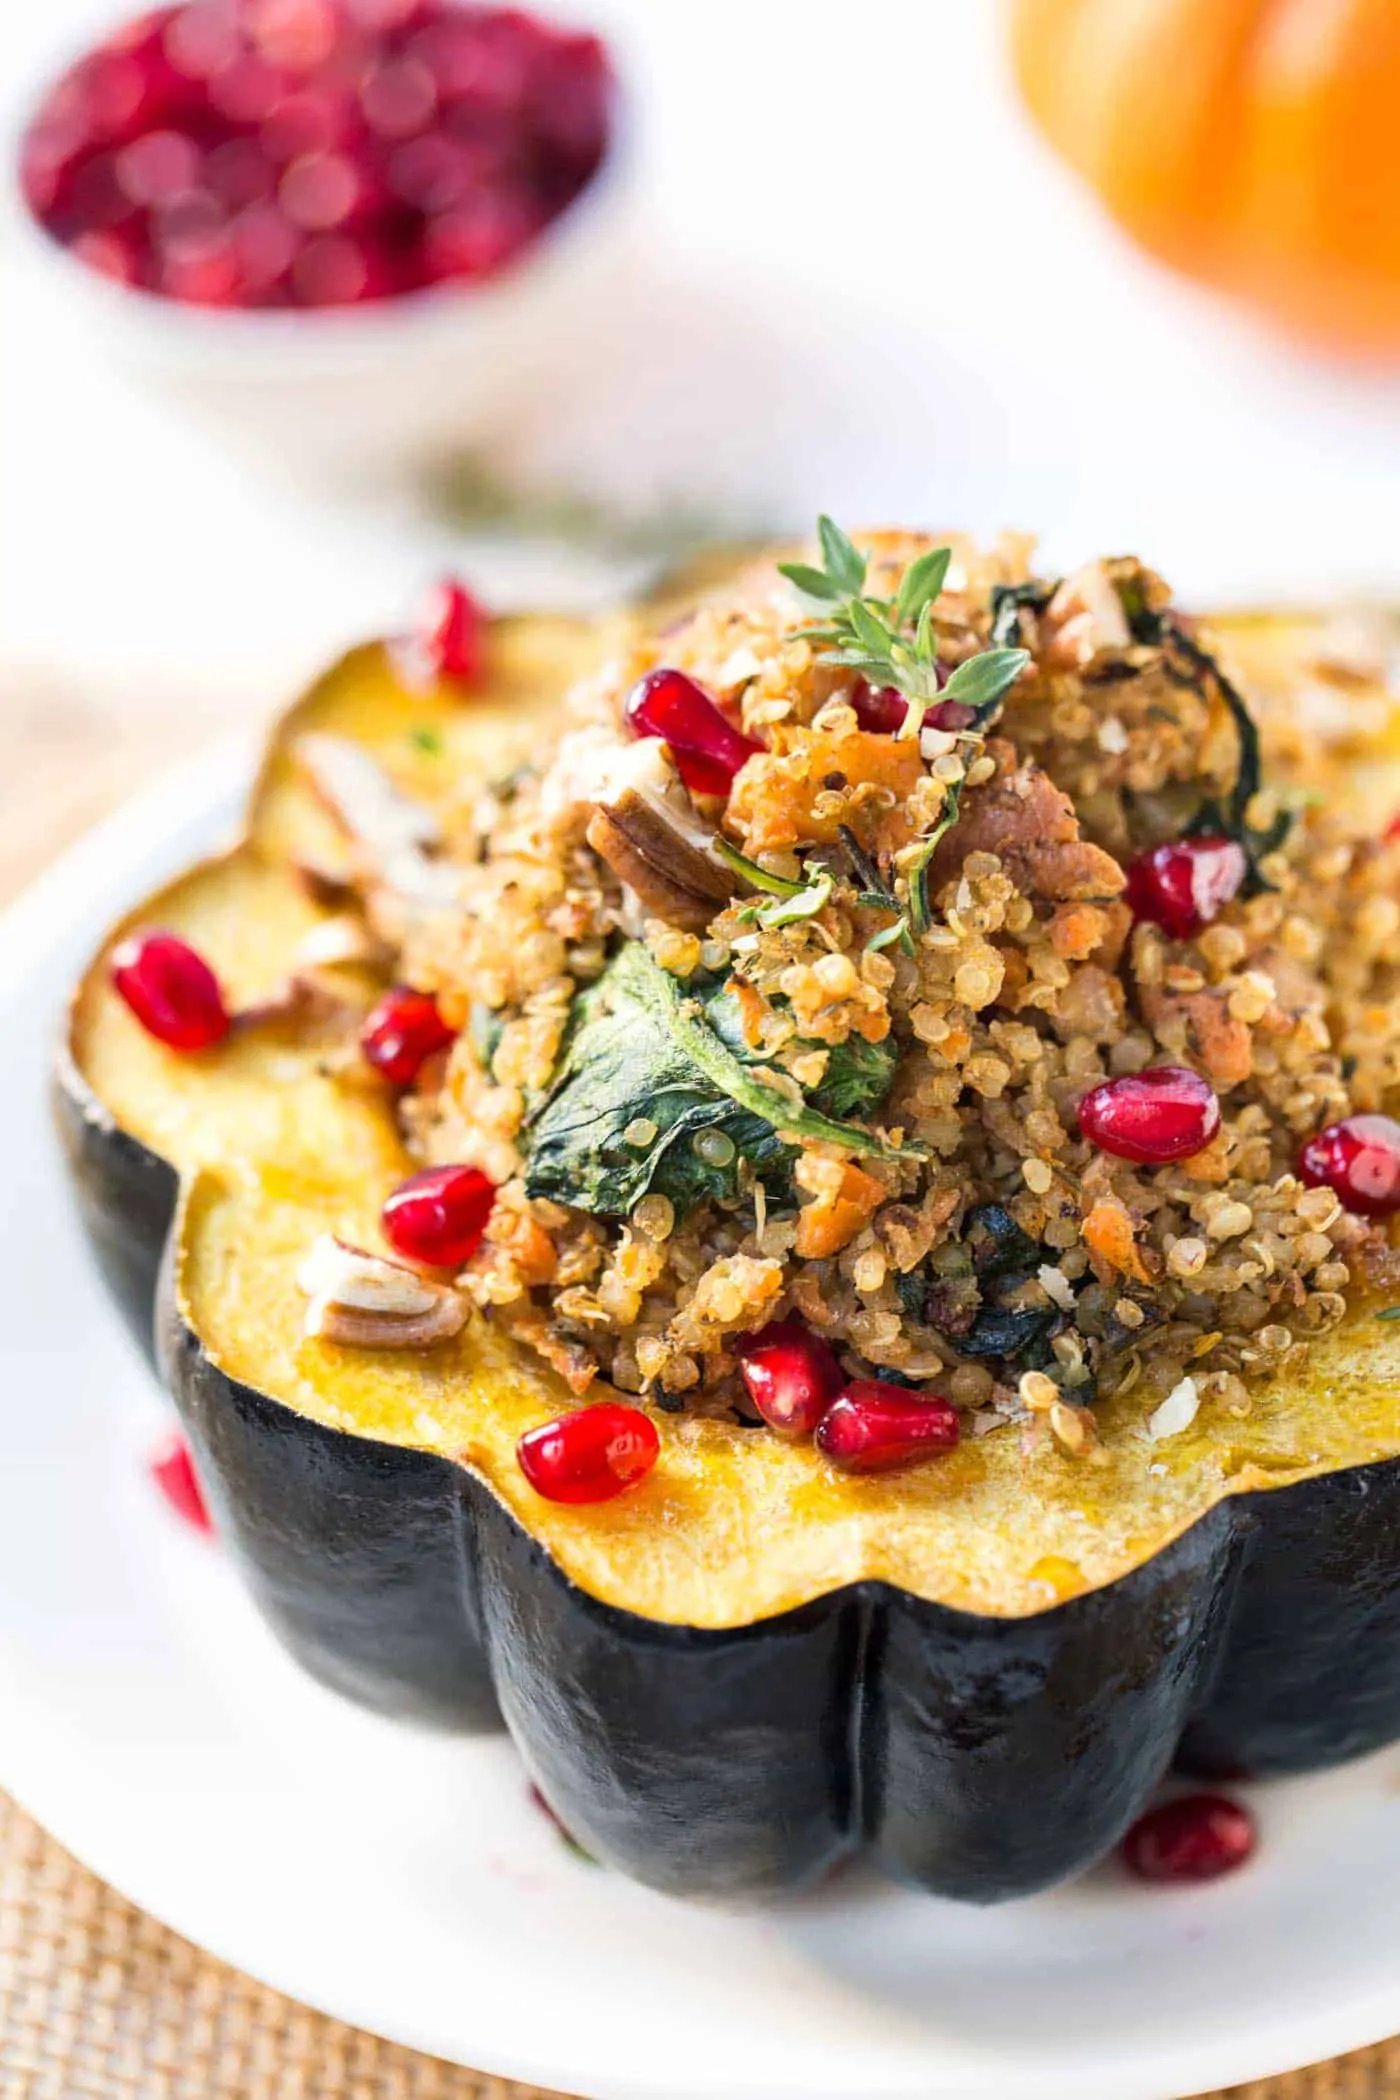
425,738
757,876
844,564
922,582
1390,1312
858,1077
798,904
985,679
812,583
641,1050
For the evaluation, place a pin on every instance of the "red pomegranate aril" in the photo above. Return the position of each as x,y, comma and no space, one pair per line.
157,166
201,39
1196,1838
872,1427
478,236
790,1374
265,246
297,34
1186,884
399,98
310,120
707,748
450,632
401,1033
320,192
247,91
113,255
99,201
335,269
1358,1158
238,173
880,709
203,271
171,990
438,1217
590,1455
171,1467
1152,1117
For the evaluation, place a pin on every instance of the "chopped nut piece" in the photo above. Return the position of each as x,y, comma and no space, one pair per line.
363,1301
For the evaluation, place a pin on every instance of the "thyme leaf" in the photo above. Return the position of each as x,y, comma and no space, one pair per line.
757,876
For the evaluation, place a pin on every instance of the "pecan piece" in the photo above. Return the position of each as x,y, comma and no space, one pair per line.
365,1302
397,839
653,843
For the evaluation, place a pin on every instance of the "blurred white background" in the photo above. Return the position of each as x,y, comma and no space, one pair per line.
859,283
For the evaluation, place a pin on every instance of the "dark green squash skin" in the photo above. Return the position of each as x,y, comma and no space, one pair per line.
974,1757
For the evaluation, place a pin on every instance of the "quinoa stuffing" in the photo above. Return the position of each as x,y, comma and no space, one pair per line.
911,975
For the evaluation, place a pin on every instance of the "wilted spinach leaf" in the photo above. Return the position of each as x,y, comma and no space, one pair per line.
858,1074
643,1050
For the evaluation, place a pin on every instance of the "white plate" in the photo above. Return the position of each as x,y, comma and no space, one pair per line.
403,1883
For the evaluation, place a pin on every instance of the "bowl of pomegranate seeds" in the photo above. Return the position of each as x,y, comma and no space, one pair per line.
354,223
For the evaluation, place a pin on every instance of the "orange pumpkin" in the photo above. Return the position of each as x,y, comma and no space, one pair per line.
1249,143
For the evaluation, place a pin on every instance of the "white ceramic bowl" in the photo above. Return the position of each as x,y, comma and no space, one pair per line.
359,393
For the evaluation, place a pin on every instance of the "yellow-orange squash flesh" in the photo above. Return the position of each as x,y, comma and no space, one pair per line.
733,1525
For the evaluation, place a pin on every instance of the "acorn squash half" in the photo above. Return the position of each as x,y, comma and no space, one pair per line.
748,1668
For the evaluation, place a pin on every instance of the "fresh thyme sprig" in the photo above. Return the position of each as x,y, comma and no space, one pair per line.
893,640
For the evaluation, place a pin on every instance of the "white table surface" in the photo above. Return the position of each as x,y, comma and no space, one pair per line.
865,287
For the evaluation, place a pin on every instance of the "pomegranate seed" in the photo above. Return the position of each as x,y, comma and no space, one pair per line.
171,990
477,236
1183,886
589,1455
203,270
312,120
399,98
1194,1839
323,191
708,750
171,1467
297,34
1360,1159
113,255
336,270
791,1375
98,199
450,632
201,40
879,708
265,245
1168,1113
438,1217
871,1427
431,173
158,165
883,708
559,1826
247,91
238,173
116,91
402,1032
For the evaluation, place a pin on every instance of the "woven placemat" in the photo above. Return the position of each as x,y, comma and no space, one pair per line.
98,2001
